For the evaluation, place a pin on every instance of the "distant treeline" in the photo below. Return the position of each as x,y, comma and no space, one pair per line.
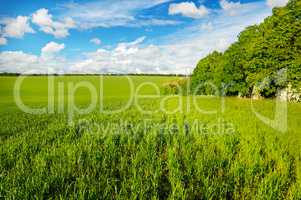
130,74
265,59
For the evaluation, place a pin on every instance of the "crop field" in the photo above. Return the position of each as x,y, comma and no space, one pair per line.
119,137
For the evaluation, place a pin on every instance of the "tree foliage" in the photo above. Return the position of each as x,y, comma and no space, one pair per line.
267,56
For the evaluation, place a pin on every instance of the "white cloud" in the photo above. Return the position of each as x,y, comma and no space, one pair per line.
230,7
181,51
96,41
188,9
277,3
177,53
52,48
59,29
107,13
26,63
134,57
125,58
3,41
17,61
16,27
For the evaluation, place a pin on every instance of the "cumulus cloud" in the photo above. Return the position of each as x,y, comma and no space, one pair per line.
178,52
230,7
17,61
188,9
96,41
277,3
182,51
51,49
21,62
124,58
26,63
136,57
58,29
16,27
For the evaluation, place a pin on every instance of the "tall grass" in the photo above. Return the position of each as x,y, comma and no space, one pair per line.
117,156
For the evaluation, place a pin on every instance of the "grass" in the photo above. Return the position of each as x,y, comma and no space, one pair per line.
188,154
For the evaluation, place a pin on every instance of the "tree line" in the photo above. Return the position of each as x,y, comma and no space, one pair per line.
266,58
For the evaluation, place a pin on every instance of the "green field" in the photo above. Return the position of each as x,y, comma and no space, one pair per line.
157,147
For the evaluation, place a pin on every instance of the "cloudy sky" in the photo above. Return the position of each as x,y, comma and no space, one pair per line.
120,36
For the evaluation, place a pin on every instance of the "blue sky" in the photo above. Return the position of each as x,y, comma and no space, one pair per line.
120,36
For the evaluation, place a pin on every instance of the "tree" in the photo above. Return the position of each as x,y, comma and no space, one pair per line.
259,57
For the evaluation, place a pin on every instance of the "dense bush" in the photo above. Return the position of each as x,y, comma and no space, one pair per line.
177,87
262,55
